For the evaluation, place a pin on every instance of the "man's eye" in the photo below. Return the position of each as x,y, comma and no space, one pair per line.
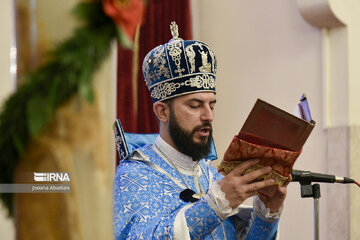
194,106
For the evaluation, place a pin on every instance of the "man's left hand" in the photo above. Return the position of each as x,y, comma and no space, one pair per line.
275,196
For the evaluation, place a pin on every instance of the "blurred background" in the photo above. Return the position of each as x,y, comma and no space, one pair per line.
274,50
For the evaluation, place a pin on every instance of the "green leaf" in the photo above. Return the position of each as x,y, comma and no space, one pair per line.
17,143
86,90
124,40
38,114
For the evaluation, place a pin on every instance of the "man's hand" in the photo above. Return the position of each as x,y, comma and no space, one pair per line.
275,200
238,187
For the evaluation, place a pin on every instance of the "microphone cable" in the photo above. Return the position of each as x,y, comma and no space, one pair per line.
357,183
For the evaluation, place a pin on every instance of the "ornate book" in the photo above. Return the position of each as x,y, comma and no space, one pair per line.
272,135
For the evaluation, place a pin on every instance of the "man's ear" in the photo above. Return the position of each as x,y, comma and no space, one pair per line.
161,111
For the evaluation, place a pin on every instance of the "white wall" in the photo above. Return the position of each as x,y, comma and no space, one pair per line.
6,87
266,50
6,84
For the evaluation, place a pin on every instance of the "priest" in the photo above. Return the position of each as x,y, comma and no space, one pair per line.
168,189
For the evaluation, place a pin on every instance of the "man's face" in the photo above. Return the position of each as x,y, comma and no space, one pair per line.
190,123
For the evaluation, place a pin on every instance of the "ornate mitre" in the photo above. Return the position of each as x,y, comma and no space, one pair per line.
179,67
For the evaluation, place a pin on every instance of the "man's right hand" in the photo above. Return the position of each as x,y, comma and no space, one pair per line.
238,186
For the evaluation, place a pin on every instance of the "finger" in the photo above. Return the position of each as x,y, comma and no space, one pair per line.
256,186
256,174
263,197
287,181
280,195
243,166
269,191
281,192
251,194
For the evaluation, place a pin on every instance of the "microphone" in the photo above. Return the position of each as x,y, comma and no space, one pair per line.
307,176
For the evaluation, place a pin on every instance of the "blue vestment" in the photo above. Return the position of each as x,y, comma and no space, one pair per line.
147,203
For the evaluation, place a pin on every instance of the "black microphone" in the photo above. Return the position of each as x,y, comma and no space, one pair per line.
307,176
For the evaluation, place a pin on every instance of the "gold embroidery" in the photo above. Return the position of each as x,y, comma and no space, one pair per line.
175,53
213,60
146,71
163,90
159,61
279,179
229,166
191,55
204,81
206,66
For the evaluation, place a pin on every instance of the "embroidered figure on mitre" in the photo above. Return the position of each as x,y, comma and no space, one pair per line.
206,66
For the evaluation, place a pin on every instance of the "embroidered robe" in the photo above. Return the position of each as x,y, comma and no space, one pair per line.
147,204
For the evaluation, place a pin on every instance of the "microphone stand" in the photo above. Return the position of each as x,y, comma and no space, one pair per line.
311,190
305,178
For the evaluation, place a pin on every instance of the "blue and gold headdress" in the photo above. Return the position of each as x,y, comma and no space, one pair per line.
179,67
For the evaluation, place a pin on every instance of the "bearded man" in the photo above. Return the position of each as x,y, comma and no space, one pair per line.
167,189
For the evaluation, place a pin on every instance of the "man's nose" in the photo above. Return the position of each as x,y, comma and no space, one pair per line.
207,114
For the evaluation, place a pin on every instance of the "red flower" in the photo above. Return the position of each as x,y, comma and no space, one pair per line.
127,14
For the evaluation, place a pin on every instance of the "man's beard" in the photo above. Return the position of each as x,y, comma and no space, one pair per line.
184,140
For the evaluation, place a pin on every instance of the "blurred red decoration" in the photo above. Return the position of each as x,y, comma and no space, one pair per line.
127,14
